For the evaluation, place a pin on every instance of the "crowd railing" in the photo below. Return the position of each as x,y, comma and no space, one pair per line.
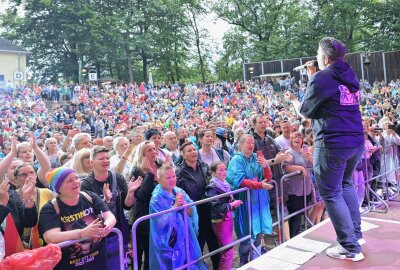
189,262
390,187
284,179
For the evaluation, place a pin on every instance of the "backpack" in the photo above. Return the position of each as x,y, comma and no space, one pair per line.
57,207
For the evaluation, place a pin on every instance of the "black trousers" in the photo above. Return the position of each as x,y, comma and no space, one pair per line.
296,203
143,247
206,233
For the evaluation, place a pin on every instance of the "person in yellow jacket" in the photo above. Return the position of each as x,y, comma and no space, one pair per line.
40,198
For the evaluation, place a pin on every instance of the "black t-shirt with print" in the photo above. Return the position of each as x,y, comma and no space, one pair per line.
86,255
119,194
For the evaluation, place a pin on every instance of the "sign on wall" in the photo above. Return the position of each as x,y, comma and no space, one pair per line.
18,75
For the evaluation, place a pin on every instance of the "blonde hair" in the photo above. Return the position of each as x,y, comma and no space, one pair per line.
242,140
48,140
139,152
117,140
77,161
163,169
23,144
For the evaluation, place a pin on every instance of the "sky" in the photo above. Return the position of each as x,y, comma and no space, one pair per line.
216,28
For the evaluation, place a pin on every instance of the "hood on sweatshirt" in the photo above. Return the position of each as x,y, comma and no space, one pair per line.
344,73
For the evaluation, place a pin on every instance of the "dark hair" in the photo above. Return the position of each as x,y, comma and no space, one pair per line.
64,157
255,118
215,165
332,48
202,133
308,131
184,145
98,149
16,171
151,132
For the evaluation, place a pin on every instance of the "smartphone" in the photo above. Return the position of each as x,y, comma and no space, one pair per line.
392,127
304,149
259,153
102,219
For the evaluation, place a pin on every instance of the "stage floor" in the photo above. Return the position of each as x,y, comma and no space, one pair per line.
382,250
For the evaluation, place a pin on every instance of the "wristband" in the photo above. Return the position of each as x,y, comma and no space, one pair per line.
79,234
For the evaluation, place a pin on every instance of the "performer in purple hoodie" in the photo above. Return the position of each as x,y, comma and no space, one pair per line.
332,102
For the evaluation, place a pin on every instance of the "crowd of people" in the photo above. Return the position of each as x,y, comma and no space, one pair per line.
103,157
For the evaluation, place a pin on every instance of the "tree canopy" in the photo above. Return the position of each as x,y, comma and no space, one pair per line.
126,39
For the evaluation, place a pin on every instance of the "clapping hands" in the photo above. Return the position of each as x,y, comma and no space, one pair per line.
4,197
107,193
133,184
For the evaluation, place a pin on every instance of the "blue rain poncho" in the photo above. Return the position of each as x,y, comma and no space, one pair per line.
167,233
241,168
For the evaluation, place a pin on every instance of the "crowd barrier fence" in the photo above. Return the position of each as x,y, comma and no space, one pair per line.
288,177
373,205
183,207
383,180
280,206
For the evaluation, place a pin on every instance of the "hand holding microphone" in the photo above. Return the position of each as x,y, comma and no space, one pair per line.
313,63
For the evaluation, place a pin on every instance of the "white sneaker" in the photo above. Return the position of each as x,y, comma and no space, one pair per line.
392,192
339,252
361,241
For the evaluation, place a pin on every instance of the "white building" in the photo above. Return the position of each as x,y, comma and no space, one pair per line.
13,60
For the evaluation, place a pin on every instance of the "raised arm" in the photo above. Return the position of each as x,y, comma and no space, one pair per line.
6,162
43,160
125,157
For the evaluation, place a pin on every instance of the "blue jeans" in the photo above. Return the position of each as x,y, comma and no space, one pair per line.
333,169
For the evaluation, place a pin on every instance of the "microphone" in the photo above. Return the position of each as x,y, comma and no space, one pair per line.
299,68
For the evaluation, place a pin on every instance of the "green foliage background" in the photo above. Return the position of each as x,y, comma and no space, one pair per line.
125,39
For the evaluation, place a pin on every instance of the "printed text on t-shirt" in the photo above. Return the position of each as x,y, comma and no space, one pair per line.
77,216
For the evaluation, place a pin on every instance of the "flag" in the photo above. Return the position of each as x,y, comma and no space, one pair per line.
12,238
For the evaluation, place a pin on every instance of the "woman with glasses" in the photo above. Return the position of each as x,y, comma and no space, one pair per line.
25,173
16,212
27,153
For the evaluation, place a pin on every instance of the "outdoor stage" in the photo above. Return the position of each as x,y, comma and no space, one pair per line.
382,250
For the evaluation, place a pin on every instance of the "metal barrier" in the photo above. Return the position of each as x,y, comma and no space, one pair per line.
285,178
122,261
238,241
278,215
382,201
281,218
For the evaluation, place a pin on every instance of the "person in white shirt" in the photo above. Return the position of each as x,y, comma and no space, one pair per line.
283,140
171,145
